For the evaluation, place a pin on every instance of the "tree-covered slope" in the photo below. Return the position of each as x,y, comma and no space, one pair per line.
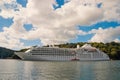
6,53
112,49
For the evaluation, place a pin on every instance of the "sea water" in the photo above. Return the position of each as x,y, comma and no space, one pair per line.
55,70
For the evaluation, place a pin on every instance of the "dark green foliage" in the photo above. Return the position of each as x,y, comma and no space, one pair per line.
5,53
112,49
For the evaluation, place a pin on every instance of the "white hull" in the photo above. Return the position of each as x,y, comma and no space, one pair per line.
63,54
24,56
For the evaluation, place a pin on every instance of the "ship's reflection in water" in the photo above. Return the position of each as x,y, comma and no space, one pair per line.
74,70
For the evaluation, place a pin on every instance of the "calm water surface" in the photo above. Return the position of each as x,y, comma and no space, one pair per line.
46,70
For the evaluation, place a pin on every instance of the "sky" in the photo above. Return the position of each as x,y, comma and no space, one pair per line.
25,23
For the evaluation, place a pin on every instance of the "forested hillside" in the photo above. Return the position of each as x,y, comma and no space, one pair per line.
112,49
6,53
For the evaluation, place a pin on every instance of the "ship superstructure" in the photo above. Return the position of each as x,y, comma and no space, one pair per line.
86,52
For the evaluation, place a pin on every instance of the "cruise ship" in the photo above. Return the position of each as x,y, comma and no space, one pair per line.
86,52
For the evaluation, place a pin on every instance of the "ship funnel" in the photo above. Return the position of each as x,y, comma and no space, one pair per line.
78,46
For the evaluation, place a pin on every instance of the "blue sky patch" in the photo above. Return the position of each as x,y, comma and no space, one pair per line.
5,22
59,4
104,25
10,6
99,5
28,27
22,2
83,38
35,42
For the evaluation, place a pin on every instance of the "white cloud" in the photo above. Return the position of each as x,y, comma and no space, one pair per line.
117,40
60,24
9,39
8,8
105,35
56,26
111,10
82,32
